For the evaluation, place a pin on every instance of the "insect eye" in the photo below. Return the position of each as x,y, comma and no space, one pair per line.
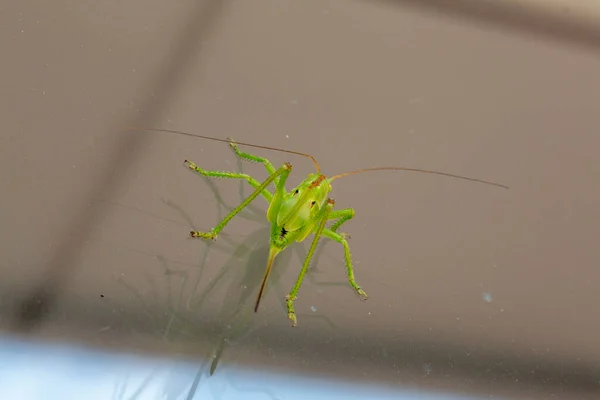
296,192
313,203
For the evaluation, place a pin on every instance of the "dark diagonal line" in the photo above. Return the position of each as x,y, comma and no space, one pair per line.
39,303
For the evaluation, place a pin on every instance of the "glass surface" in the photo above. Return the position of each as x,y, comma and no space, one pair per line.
473,290
32,371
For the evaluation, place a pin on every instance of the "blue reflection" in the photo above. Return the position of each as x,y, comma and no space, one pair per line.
31,370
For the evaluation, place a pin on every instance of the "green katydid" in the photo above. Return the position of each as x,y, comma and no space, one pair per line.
294,215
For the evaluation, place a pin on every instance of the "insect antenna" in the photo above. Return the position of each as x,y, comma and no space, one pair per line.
230,141
425,171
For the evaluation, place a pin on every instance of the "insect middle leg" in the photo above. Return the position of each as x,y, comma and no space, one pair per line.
230,175
344,215
283,172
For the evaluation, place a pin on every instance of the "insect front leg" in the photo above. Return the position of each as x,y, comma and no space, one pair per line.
282,172
341,216
231,175
344,215
252,158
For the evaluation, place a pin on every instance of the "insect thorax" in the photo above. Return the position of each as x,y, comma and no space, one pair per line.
300,205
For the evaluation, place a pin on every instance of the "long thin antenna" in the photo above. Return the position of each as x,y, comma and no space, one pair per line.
425,171
229,141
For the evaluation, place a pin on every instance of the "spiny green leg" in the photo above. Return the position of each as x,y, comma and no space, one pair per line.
344,215
249,157
230,175
283,171
322,217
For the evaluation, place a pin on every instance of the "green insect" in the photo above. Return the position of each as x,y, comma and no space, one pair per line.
296,214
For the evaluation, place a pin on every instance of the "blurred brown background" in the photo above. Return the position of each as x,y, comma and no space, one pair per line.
473,289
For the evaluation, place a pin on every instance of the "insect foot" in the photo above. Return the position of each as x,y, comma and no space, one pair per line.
190,165
291,311
204,235
232,143
362,294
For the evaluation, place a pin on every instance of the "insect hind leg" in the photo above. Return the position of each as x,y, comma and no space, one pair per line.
320,219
